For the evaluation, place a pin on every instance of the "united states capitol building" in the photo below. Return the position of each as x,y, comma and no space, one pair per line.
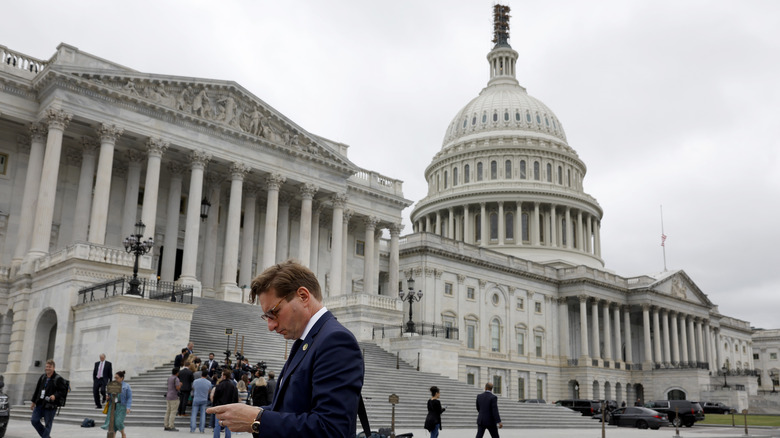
505,246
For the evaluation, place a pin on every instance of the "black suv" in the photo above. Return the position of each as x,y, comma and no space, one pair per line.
680,412
583,406
715,408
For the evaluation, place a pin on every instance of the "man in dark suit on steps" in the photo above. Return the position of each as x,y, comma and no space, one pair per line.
488,418
101,375
319,387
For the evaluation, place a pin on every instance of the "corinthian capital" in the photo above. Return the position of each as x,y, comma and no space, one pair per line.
395,229
176,169
274,181
199,159
109,133
57,118
308,190
239,170
89,145
38,131
339,200
156,147
371,222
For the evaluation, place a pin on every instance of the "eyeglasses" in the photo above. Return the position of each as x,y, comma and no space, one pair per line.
271,314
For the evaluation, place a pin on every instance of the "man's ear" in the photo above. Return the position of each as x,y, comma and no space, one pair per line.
303,294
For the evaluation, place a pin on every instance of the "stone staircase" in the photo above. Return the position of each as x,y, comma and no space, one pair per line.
385,375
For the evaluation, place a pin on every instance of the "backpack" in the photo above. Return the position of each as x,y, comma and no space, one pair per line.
61,401
88,422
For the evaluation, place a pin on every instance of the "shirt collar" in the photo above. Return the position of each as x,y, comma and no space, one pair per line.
313,320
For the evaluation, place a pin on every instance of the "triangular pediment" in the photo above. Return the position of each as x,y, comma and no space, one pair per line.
225,104
677,284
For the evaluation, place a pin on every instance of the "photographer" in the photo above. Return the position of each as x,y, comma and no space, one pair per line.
45,400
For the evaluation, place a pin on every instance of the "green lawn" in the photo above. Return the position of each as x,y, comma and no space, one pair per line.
739,420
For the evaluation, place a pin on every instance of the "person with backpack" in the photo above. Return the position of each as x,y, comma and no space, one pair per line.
50,393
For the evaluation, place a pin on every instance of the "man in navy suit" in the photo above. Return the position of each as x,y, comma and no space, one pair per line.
101,375
212,364
488,418
319,387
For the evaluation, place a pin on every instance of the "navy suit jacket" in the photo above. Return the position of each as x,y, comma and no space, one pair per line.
487,406
107,372
319,386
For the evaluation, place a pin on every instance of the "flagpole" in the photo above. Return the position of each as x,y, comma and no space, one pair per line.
663,236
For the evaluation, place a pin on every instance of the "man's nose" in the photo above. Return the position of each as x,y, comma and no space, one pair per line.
272,325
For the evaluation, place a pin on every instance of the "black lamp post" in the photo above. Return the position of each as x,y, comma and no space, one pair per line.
204,209
134,244
772,377
411,297
725,382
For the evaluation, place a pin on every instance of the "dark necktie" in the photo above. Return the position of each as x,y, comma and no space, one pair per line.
294,349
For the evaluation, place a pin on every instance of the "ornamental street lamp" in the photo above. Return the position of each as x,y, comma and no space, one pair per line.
204,209
725,382
134,244
411,298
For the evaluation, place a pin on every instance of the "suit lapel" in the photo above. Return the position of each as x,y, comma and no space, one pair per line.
294,361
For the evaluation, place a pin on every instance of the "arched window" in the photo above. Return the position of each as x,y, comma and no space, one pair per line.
465,122
509,225
522,169
536,170
479,171
549,173
466,174
493,170
508,169
493,226
484,118
506,116
445,179
495,117
495,335
524,226
517,116
454,176
474,120
541,229
560,175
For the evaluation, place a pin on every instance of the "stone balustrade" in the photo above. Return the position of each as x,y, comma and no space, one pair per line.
377,181
373,301
16,60
93,253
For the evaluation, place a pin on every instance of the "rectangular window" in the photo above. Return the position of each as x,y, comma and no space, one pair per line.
521,344
773,356
448,289
3,164
497,385
538,341
470,293
755,356
449,333
520,304
539,388
360,247
520,388
470,336
470,378
538,307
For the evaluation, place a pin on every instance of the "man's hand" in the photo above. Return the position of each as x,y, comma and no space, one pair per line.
238,417
32,406
500,425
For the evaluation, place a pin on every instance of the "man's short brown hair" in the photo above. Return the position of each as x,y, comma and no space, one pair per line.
50,362
285,278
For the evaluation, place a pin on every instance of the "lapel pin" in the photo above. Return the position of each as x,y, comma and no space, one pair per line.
305,346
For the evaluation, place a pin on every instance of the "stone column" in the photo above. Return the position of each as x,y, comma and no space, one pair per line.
607,333
198,162
627,330
395,232
209,263
501,226
535,238
84,197
451,223
32,182
339,200
658,358
597,232
519,223
708,343
553,227
155,149
438,227
466,234
580,232
588,235
283,227
315,237
718,354
563,324
583,329
665,339
171,241
569,229
647,341
368,255
245,272
130,210
273,183
44,212
228,288
483,225
675,340
683,340
700,343
345,228
691,341
595,329
97,223
304,244
616,334
428,228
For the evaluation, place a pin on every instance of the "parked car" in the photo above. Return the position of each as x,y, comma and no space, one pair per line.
680,412
635,416
715,408
532,400
5,409
583,406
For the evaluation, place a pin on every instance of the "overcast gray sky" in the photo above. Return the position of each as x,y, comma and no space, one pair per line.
668,102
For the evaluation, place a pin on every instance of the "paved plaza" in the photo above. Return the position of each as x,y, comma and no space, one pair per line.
23,429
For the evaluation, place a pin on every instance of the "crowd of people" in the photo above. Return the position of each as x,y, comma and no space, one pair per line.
203,384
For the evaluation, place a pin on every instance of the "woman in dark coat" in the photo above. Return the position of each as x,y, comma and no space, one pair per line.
433,419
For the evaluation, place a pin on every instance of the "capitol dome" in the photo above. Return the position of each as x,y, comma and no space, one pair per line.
505,158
